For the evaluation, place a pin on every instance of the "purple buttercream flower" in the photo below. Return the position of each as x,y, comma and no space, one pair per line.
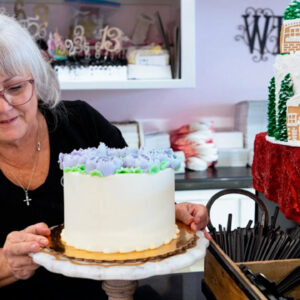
129,162
70,161
155,161
132,150
175,163
106,166
107,160
117,162
77,152
91,149
61,160
102,150
82,160
91,164
169,151
144,163
145,156
112,152
115,152
163,157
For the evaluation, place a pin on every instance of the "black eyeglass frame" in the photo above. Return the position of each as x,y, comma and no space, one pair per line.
2,93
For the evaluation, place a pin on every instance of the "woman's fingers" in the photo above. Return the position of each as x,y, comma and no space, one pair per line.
38,229
24,274
183,215
23,261
207,235
22,248
200,216
19,244
22,236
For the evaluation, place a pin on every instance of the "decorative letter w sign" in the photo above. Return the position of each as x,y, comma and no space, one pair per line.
260,32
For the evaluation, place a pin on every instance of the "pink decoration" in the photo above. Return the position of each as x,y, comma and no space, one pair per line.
195,140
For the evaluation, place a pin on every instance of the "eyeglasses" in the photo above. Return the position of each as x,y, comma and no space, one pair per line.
18,93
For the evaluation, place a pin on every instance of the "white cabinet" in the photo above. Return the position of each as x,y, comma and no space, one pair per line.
187,62
179,12
241,207
174,13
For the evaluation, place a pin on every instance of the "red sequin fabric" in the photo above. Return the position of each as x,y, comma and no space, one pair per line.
276,173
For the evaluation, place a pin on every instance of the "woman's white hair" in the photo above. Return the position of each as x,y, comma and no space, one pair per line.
20,55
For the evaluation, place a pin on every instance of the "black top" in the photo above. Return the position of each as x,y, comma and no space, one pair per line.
82,127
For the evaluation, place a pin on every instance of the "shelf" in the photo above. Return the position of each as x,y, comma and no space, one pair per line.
129,84
188,54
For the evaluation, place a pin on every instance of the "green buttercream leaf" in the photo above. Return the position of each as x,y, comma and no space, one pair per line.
77,169
96,173
129,171
179,165
164,164
154,169
82,167
67,170
138,171
122,171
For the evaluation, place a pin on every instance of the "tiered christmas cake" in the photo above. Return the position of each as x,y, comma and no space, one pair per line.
284,89
275,168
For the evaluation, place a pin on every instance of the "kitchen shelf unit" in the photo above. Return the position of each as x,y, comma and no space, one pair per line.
187,63
188,44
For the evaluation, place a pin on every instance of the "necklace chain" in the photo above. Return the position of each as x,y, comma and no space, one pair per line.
38,148
27,199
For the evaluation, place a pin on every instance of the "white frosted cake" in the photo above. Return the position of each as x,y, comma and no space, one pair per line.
118,200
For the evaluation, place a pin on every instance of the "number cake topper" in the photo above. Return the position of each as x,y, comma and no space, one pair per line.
111,39
78,45
37,25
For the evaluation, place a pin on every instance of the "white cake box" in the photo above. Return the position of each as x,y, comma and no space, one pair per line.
251,118
228,139
235,157
144,72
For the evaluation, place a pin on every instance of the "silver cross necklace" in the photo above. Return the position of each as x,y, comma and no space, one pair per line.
27,199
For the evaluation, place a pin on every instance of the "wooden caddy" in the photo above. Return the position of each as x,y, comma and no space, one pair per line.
225,280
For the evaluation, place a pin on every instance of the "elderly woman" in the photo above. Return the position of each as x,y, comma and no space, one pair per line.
35,126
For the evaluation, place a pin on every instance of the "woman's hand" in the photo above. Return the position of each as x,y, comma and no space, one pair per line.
194,215
19,244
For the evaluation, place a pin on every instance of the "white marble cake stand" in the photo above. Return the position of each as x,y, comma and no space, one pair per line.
120,282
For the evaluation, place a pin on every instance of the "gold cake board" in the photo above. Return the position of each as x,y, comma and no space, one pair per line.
185,239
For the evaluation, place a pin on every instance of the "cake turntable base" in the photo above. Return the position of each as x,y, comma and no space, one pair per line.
119,272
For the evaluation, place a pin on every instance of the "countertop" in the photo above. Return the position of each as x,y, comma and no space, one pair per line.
214,178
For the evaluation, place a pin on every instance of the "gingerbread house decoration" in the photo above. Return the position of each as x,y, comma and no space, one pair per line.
293,118
290,36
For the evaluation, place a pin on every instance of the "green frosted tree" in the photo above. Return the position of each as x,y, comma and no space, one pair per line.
285,93
292,11
271,109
